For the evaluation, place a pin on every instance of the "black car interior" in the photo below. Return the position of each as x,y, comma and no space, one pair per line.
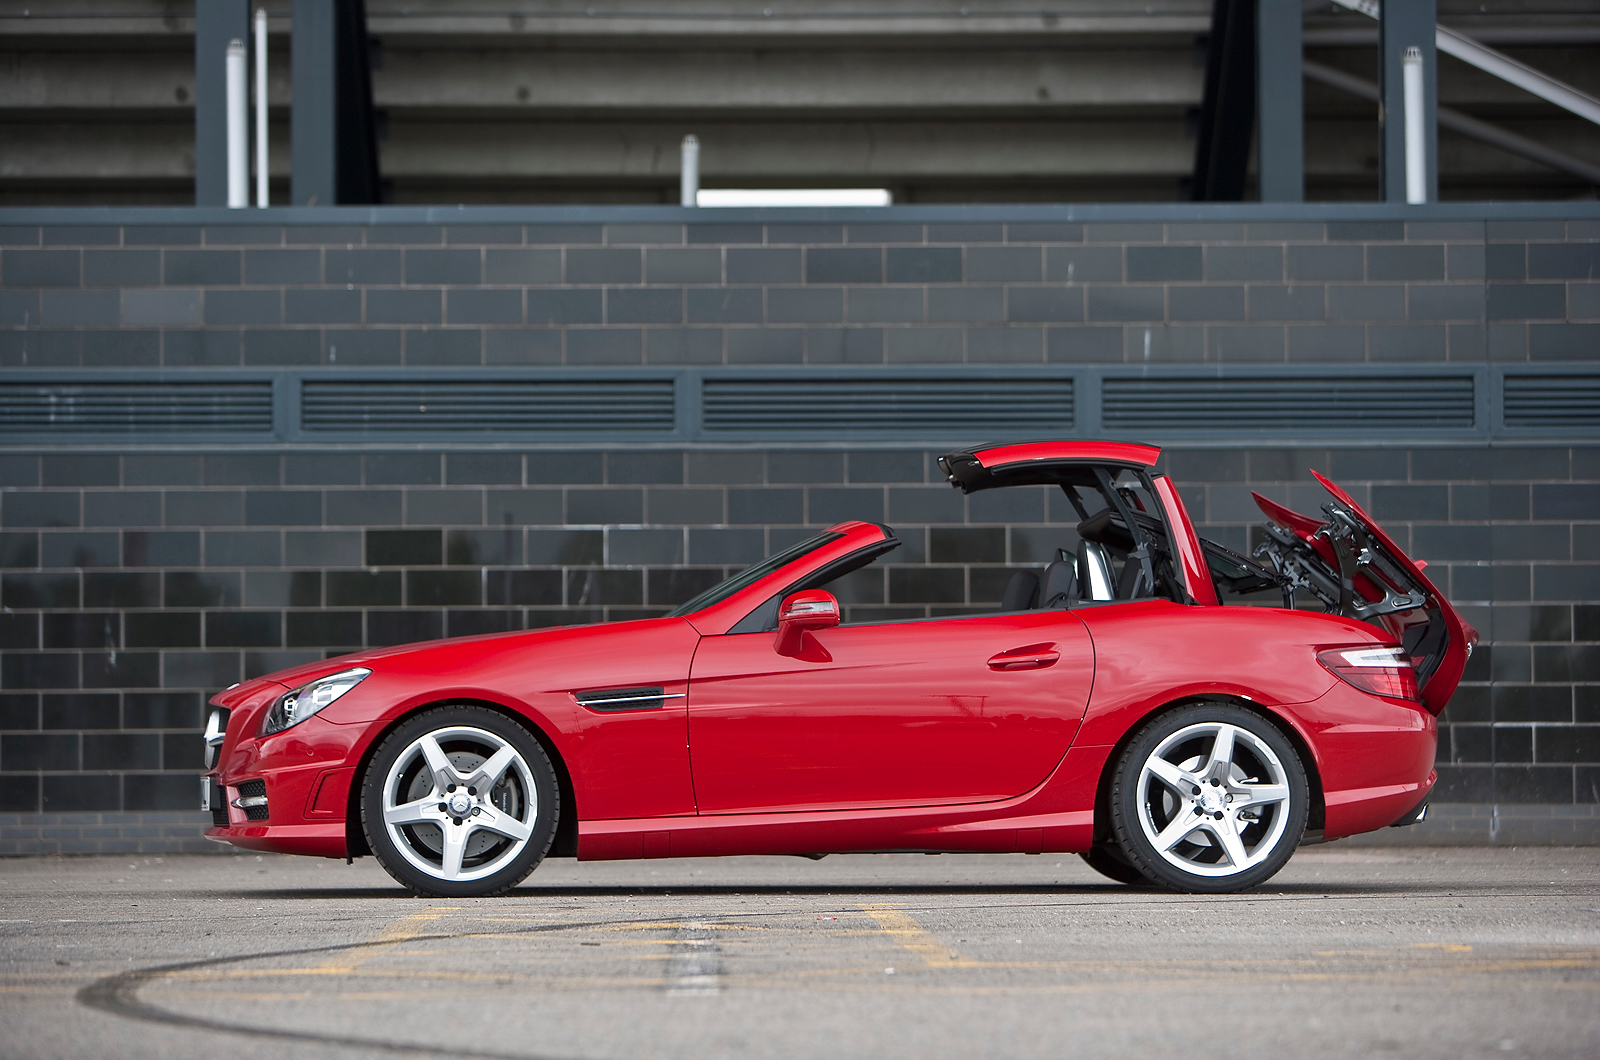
1121,553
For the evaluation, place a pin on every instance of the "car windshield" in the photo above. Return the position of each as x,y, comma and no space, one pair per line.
720,592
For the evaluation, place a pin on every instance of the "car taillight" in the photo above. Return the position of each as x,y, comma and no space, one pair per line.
1380,671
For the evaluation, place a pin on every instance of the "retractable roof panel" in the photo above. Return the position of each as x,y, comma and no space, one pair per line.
1355,569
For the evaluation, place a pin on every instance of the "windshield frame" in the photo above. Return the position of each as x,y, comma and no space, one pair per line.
729,587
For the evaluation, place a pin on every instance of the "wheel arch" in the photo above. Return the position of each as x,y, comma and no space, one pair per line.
565,843
1316,812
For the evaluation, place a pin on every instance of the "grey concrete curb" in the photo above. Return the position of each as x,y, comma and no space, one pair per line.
1456,824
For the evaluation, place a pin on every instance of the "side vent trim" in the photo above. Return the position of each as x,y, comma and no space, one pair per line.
613,700
1553,402
122,408
1300,404
900,404
507,406
912,407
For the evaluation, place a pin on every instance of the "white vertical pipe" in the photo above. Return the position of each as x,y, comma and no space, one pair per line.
261,107
689,185
238,129
1416,145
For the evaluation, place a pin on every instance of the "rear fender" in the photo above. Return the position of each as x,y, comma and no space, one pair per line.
1286,725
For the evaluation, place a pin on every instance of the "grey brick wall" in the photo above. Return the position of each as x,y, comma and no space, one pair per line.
140,576
596,294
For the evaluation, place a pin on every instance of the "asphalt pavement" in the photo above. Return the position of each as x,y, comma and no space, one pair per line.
1349,952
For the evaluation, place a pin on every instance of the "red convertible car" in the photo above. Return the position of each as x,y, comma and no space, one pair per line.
1123,702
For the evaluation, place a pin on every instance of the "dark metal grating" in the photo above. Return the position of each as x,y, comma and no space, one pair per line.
504,406
129,408
617,699
254,789
906,407
1388,403
1553,401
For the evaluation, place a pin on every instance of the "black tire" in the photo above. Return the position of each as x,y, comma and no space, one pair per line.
1111,866
1257,794
447,839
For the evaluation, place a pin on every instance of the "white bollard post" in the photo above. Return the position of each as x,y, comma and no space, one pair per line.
689,186
1416,145
261,107
238,130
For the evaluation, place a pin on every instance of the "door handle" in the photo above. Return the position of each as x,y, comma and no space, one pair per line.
1029,657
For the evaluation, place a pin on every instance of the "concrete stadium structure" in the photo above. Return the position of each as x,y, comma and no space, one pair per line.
581,102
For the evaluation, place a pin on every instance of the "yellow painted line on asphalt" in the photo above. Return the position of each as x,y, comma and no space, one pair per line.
406,927
919,942
345,962
1098,977
432,992
912,936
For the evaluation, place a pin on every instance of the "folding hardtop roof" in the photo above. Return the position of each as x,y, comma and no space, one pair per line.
1018,463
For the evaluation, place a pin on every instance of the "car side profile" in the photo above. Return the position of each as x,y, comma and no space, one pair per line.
1128,702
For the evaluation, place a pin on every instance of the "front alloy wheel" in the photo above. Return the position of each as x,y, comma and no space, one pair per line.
1209,799
459,802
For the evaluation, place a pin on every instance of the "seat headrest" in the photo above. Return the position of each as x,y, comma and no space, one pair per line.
1022,592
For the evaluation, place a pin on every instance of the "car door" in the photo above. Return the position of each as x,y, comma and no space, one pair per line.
913,713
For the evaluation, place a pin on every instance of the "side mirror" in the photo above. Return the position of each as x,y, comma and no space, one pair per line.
812,609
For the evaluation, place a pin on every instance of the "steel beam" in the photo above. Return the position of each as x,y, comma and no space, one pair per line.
1466,125
1280,106
314,124
1473,51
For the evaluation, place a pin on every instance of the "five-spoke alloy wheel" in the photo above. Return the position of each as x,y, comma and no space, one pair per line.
1210,798
459,801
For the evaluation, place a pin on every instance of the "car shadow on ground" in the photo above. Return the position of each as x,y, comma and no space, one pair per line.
1289,890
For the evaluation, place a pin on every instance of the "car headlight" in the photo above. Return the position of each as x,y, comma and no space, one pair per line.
294,707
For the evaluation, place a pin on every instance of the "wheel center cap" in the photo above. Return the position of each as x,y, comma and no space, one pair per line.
460,803
1211,799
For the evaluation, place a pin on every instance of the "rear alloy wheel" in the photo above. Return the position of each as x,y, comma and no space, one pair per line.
1209,799
459,802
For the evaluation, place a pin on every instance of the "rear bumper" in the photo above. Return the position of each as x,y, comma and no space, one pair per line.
1375,757
1416,815
1357,810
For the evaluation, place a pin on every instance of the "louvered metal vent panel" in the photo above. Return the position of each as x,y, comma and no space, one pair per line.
128,408
482,407
906,407
1553,401
1392,403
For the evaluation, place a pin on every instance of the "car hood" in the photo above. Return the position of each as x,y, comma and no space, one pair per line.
295,676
